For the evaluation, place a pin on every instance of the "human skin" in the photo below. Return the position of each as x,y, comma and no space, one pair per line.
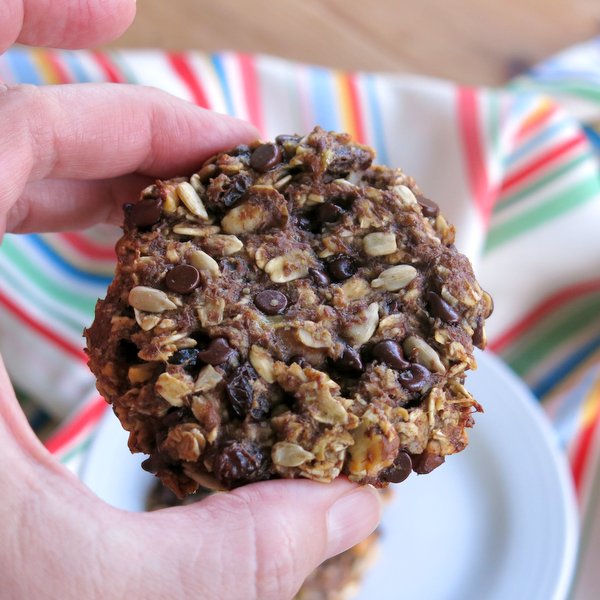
70,156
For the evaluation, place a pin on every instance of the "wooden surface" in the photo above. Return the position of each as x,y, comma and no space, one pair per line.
471,41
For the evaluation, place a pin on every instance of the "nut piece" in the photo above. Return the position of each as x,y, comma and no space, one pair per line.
173,389
395,278
146,322
379,244
406,194
141,373
265,207
189,196
421,352
360,332
150,299
262,362
314,335
375,445
185,442
204,262
207,379
223,245
286,454
211,311
288,267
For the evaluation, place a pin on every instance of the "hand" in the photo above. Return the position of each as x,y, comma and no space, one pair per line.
69,157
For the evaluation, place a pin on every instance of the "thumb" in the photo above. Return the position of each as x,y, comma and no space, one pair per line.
262,541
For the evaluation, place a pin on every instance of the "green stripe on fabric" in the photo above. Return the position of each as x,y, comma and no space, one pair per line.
67,297
118,60
578,88
555,206
512,199
73,324
493,124
530,351
79,449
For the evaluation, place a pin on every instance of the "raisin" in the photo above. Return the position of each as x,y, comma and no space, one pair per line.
240,462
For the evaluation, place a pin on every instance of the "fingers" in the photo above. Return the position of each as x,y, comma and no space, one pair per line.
101,132
66,204
64,23
263,540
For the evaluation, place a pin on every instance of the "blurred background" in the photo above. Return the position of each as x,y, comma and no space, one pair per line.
469,41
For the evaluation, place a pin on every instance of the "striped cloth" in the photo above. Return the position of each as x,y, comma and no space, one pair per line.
516,169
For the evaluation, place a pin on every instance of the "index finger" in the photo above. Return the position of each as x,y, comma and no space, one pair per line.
64,23
98,132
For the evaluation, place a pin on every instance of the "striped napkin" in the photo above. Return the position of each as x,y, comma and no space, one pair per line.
515,169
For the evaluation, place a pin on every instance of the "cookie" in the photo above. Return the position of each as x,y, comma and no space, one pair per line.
289,310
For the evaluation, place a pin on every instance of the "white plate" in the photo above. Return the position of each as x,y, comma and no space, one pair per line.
496,522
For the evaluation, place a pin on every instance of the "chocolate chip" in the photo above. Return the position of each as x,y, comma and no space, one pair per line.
300,360
426,462
415,378
441,309
390,352
265,157
239,390
145,213
174,417
319,277
287,139
271,302
188,357
341,267
350,360
218,352
429,207
400,470
240,462
182,279
328,213
304,222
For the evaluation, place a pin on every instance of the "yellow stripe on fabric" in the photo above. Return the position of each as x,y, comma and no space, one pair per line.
591,405
347,117
45,69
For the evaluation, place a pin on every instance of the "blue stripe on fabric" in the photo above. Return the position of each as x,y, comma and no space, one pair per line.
567,417
23,67
217,61
324,99
538,140
593,136
375,118
64,265
72,60
558,373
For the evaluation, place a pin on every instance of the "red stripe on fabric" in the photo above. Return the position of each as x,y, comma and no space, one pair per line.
251,91
536,122
87,416
42,329
471,136
357,111
541,162
542,310
181,66
108,67
582,453
87,247
61,73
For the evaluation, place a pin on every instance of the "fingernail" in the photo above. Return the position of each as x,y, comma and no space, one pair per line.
352,518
